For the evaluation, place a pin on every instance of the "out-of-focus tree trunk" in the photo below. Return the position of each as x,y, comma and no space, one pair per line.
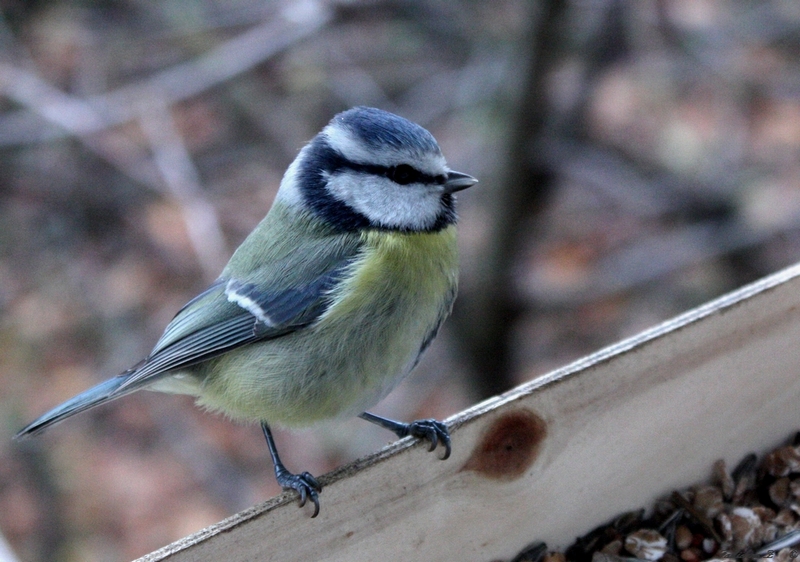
486,314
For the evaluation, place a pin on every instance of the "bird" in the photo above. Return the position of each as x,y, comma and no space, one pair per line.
328,303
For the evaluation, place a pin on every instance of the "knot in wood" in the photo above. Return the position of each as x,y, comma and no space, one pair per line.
509,446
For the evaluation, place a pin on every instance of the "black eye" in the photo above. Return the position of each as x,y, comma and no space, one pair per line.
402,174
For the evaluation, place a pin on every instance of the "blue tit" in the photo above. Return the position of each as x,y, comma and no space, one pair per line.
329,303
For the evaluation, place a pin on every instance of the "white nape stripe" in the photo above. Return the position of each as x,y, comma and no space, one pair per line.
289,191
247,303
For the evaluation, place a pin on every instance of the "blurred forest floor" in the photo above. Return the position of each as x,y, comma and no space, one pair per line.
636,158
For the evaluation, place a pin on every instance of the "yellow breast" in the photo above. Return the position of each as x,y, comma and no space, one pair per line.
415,269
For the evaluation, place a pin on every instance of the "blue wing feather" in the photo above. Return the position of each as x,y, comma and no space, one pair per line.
286,310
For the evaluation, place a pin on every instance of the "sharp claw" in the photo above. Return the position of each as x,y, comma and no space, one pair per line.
447,447
306,486
311,490
434,431
315,499
434,437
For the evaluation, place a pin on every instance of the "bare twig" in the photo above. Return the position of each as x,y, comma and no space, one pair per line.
164,173
183,183
171,170
78,116
73,115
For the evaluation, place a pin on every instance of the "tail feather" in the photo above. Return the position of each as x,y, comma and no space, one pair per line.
103,392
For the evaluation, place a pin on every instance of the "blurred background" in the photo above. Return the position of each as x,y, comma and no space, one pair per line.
636,158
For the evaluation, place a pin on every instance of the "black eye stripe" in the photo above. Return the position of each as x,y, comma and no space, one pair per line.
333,161
412,175
402,174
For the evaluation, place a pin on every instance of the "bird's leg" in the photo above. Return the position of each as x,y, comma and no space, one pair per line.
432,430
304,484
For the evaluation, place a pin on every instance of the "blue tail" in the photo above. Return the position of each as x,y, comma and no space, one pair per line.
103,392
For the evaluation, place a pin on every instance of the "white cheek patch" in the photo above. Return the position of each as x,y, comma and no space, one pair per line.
414,206
355,150
233,290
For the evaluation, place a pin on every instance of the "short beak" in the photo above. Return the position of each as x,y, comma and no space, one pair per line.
456,181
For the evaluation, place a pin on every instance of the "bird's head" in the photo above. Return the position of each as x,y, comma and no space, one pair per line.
369,168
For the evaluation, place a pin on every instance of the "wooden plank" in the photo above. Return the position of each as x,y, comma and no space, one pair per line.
554,457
